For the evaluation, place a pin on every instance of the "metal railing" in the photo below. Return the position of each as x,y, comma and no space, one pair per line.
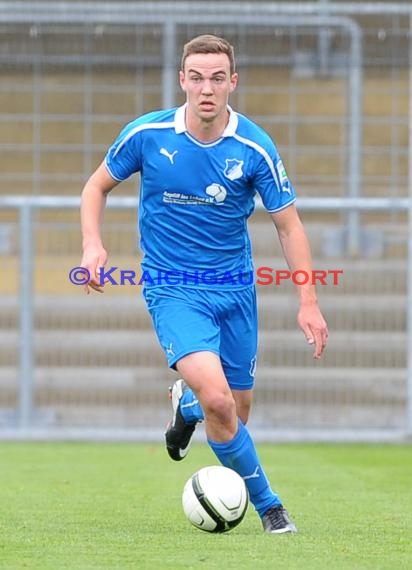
26,206
200,14
319,16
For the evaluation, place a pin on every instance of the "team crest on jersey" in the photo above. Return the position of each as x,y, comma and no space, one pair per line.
233,169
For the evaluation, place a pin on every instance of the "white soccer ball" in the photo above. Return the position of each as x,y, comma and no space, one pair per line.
215,499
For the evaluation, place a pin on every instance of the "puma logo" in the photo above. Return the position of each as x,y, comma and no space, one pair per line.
170,350
169,155
253,475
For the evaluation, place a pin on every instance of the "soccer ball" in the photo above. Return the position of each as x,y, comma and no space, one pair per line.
215,499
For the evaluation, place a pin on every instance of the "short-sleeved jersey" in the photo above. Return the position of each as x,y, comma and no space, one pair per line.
195,197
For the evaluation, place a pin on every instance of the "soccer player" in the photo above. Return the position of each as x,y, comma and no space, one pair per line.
201,165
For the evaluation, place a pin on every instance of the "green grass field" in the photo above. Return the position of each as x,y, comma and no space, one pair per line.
80,506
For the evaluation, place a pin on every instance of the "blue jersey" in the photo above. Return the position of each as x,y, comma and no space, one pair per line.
195,197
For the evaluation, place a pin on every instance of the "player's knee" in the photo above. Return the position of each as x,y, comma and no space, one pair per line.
221,406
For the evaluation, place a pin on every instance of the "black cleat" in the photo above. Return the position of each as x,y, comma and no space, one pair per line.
276,521
178,433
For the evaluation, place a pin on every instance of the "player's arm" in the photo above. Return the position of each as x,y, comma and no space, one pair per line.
93,202
295,246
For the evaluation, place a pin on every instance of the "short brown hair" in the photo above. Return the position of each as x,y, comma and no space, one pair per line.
208,43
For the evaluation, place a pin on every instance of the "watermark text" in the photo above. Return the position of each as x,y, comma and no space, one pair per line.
262,276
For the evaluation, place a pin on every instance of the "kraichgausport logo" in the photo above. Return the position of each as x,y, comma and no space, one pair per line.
210,277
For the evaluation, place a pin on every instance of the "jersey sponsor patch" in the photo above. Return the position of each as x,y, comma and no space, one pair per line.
216,195
218,192
185,199
283,177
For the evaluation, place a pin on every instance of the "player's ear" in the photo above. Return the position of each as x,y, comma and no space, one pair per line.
233,82
182,79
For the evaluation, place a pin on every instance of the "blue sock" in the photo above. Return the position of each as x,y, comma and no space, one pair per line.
190,408
240,455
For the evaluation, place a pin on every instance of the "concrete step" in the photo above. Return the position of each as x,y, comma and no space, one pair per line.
326,235
342,312
331,421
358,277
140,348
301,385
97,340
328,238
277,309
364,275
284,397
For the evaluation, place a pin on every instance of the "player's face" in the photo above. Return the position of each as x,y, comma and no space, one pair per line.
207,82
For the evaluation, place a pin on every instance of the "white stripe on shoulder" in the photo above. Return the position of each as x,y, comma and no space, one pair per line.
283,206
109,170
265,155
143,127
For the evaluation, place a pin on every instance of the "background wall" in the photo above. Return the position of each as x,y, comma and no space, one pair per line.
330,83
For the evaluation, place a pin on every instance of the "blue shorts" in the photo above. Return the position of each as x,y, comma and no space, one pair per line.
190,320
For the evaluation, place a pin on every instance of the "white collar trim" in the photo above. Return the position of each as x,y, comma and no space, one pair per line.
180,122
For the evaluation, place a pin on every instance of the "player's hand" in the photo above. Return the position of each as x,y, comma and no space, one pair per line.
94,258
314,327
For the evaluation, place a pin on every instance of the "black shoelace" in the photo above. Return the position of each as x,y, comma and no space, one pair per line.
277,517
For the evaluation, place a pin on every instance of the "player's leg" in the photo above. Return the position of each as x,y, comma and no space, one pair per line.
190,335
243,400
238,355
184,324
204,374
204,394
191,409
187,412
228,437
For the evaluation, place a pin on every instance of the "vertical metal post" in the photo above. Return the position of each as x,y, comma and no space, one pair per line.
87,103
355,139
25,410
37,112
169,71
409,272
323,41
